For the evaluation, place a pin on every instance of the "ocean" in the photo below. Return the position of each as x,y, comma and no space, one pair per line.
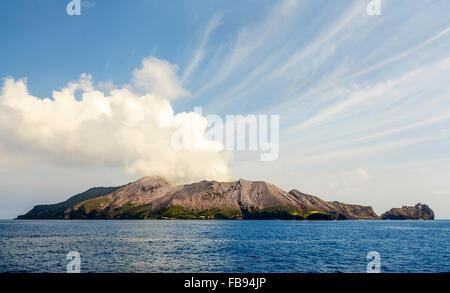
234,246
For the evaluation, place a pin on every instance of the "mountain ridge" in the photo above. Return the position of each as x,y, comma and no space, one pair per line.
153,197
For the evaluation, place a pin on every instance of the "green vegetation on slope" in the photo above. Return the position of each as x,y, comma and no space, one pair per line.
179,212
279,212
55,211
317,215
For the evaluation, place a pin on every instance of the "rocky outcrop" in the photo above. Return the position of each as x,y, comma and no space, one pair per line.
417,212
157,198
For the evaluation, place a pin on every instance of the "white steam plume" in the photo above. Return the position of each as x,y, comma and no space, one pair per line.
129,127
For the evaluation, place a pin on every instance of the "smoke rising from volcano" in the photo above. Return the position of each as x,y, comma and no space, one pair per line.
131,126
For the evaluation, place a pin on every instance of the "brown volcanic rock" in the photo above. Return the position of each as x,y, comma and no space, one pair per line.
336,210
241,194
156,198
238,198
152,197
141,192
417,212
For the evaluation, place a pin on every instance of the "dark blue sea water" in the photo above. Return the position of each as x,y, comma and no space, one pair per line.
224,246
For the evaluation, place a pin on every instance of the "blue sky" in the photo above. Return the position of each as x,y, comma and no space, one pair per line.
363,100
40,41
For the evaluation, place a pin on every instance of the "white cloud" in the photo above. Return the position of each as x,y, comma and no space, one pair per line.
106,86
124,128
384,93
363,174
201,50
158,77
251,40
405,53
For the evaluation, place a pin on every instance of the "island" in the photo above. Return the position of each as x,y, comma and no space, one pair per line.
154,197
417,212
